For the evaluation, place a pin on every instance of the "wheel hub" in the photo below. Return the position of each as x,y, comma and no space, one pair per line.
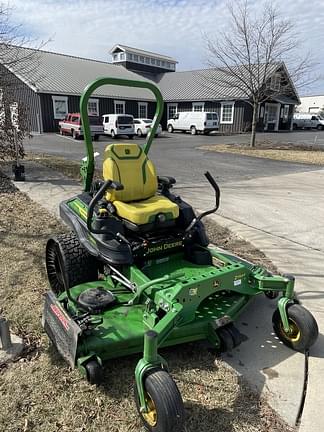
151,415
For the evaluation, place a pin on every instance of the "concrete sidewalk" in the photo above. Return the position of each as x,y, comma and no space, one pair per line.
283,217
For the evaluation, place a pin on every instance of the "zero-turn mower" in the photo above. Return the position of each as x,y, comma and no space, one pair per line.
137,273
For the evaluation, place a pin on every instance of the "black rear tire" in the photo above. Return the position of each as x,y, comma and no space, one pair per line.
163,396
304,329
131,136
170,129
66,257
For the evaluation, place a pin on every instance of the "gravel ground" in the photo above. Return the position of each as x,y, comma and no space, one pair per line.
39,392
276,151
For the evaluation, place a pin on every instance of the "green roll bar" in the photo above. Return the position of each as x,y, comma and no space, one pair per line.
89,165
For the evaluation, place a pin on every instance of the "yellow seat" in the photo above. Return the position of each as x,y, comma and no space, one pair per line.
137,202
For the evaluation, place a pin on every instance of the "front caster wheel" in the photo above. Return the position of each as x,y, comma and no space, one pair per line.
303,329
94,372
166,412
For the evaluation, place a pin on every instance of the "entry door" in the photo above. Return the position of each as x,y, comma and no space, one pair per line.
271,116
172,109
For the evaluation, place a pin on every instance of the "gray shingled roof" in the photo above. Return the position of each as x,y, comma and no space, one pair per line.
48,72
54,73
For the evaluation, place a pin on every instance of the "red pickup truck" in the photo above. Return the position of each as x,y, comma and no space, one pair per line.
72,125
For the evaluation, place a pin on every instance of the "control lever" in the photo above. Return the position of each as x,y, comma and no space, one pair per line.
108,184
215,186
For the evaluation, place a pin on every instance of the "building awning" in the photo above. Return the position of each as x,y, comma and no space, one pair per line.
285,100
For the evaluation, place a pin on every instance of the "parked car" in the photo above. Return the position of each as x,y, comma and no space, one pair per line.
142,127
194,121
72,125
308,121
118,124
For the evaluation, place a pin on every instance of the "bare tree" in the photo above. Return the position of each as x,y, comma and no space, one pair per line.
252,51
16,57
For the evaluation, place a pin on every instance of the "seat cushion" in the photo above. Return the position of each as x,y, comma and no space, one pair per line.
145,211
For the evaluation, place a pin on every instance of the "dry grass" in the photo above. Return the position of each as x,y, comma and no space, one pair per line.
69,168
39,392
288,152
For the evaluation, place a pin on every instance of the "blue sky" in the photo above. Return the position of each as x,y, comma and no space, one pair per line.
89,28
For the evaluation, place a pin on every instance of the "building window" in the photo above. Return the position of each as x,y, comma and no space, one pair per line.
147,60
60,106
168,65
130,56
158,62
227,112
119,107
153,61
261,111
172,66
172,110
122,56
275,82
162,63
115,57
93,107
198,106
142,109
285,113
141,59
136,57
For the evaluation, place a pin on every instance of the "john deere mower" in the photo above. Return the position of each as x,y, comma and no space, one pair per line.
136,273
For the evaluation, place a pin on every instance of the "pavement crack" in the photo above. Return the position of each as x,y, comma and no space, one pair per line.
304,393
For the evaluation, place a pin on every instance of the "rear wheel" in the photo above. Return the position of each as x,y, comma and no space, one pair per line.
75,135
95,138
67,260
139,132
320,127
166,411
294,126
61,131
170,128
131,136
303,329
193,130
112,133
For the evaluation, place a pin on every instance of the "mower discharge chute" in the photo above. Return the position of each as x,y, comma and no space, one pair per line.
136,274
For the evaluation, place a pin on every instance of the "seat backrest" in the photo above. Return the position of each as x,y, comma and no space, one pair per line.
129,165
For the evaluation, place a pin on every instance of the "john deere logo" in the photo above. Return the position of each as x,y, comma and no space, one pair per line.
127,151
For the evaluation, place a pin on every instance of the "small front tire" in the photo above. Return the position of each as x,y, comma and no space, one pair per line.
170,129
166,411
94,372
303,328
75,135
193,130
113,134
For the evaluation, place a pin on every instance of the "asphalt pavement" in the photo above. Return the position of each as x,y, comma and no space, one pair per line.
176,155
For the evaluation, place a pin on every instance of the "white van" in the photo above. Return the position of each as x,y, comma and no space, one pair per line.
194,121
308,121
118,124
